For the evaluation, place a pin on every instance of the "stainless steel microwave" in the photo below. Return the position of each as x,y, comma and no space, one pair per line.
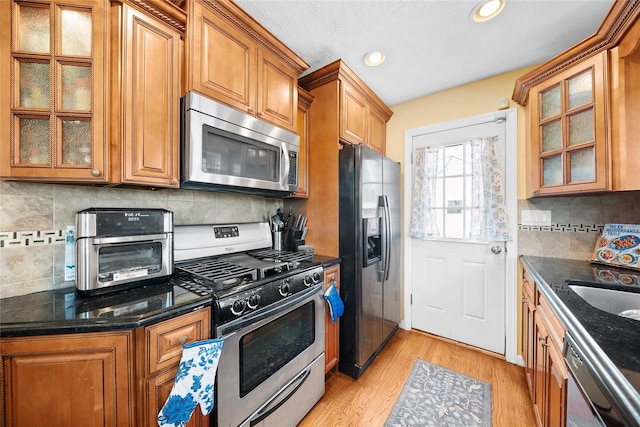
227,150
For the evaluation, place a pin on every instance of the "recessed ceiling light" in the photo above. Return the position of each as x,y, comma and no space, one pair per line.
373,58
487,9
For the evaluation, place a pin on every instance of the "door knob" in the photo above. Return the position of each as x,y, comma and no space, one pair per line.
496,249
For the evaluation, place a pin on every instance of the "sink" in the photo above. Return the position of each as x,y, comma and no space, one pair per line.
616,301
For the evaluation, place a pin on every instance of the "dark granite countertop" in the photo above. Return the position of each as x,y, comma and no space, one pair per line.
63,311
613,341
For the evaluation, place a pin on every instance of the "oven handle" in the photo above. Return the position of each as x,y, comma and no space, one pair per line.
127,239
271,310
267,409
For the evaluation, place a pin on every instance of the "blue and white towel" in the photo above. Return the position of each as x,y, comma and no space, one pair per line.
194,383
336,306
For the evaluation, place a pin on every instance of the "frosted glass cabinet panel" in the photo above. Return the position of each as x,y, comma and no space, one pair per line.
56,116
568,136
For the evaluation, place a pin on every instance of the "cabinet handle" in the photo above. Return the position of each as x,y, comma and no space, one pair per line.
543,341
183,340
95,172
250,110
524,299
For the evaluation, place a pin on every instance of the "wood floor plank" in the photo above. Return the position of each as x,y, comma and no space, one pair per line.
369,400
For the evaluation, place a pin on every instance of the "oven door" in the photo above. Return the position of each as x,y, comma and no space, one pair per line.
271,370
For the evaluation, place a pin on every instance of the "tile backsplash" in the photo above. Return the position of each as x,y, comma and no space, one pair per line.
576,223
34,217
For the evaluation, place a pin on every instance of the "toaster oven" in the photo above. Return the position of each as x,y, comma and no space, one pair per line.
120,248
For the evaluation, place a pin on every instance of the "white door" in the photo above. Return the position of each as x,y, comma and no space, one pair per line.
458,286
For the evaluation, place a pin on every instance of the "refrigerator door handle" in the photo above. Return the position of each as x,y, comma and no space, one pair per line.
384,201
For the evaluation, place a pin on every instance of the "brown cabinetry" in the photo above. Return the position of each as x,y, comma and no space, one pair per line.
332,330
304,102
580,107
95,91
107,379
145,104
546,371
70,380
234,60
159,352
53,72
340,114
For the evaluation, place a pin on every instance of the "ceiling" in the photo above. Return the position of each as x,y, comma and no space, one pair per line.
430,45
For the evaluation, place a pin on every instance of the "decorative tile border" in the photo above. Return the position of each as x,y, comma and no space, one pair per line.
10,239
565,228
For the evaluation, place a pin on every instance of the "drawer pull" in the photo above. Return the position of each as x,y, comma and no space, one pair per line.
183,340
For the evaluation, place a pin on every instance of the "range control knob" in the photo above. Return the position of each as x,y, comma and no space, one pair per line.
285,289
316,277
308,281
253,301
238,307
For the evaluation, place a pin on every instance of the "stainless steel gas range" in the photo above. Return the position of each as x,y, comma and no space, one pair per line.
269,309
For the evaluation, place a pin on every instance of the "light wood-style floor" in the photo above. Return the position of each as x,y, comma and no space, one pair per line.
369,400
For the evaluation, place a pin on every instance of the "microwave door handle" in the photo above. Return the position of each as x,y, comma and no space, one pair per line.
128,239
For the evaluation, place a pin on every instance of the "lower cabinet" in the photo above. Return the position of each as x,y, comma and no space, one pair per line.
159,348
106,379
546,370
332,331
67,380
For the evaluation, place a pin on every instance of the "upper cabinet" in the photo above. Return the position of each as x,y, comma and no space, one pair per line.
146,72
580,104
362,115
234,60
94,91
52,71
304,102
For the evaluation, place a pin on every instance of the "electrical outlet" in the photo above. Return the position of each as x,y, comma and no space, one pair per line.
531,217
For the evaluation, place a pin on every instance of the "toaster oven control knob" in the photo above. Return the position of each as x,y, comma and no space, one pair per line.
253,301
238,307
285,288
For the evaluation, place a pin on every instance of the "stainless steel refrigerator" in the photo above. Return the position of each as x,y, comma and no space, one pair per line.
370,253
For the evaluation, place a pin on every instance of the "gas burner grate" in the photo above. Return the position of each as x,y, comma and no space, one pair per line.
219,271
294,257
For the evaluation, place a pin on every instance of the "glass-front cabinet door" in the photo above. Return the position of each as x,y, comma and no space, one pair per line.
569,142
53,69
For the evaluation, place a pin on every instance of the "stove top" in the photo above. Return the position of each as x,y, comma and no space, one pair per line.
236,265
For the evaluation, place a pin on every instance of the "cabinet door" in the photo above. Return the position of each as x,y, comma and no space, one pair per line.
556,388
528,331
569,143
540,369
332,331
224,63
377,132
54,62
158,388
70,380
277,92
353,115
304,102
151,101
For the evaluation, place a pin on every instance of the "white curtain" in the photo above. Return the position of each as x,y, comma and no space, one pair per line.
423,214
489,221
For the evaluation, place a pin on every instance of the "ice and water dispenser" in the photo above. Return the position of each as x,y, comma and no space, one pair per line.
371,241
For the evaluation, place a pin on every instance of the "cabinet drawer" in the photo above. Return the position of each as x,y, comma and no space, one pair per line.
164,340
528,287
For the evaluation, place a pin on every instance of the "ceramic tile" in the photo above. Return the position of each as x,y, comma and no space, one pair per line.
28,212
28,263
